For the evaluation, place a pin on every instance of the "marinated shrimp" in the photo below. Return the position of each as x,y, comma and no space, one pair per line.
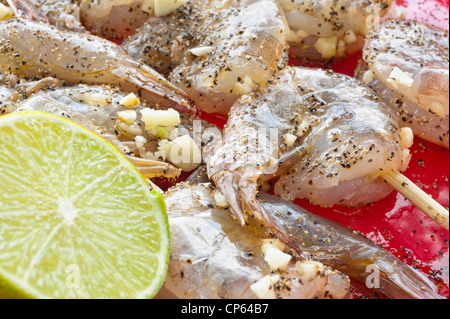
204,236
326,136
134,129
113,19
31,49
215,50
212,257
14,89
342,249
324,30
407,63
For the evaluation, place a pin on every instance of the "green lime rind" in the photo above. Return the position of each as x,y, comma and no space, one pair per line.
13,287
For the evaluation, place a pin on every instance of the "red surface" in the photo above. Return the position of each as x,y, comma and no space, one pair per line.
394,222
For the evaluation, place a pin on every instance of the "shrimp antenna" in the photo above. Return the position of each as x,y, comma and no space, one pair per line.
418,197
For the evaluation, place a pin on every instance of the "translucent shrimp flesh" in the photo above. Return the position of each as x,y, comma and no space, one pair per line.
215,50
212,257
327,137
325,30
407,63
30,49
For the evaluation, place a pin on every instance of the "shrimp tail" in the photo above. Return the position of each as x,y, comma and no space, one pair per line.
151,86
243,198
152,169
27,9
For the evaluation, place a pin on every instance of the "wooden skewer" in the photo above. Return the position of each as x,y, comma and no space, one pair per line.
418,197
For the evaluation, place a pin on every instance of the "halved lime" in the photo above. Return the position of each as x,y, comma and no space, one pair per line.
77,220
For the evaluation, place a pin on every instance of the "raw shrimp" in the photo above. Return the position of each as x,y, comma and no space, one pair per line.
407,63
215,50
100,109
341,248
31,49
327,136
324,30
63,14
212,257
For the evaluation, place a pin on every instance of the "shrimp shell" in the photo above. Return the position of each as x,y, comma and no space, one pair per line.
212,257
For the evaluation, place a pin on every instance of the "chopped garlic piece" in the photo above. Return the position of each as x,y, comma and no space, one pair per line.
368,76
296,36
128,116
264,288
290,139
399,78
274,255
327,47
406,137
350,36
130,100
182,152
165,7
302,129
277,260
140,141
309,269
244,86
272,243
201,51
5,12
220,200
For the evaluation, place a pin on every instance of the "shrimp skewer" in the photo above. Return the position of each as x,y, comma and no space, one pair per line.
326,136
31,49
215,50
406,62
